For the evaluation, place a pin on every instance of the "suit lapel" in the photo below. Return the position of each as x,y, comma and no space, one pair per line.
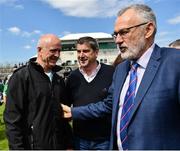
147,79
123,71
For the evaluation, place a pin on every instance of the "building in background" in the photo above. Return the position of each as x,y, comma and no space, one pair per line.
107,48
68,58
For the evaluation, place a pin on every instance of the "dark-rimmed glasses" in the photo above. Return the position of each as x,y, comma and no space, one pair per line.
123,32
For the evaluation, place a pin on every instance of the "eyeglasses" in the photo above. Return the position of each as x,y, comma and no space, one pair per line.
123,32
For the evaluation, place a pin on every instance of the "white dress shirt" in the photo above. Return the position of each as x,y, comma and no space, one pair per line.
90,77
142,61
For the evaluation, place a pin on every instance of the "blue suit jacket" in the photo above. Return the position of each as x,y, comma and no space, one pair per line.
155,119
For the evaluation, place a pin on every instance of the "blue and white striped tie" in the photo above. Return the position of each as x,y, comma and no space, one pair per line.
128,105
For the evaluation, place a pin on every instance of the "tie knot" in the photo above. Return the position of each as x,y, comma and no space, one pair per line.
134,65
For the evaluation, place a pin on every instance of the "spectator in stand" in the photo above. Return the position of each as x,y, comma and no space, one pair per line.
89,83
6,84
1,91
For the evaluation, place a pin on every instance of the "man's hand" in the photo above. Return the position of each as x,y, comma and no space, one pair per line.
66,111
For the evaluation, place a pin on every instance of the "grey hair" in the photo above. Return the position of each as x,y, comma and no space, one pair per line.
144,11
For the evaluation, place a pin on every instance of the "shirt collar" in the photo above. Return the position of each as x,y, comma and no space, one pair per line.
94,72
144,59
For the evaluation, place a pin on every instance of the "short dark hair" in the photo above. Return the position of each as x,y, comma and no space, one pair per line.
88,41
144,11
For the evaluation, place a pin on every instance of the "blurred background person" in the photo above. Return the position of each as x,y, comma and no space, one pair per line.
175,44
6,80
1,91
117,60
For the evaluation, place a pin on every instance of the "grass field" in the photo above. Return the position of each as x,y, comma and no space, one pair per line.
3,140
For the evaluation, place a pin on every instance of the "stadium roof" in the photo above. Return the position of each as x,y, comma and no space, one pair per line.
79,35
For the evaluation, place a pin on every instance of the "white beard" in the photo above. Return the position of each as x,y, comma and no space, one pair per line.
134,51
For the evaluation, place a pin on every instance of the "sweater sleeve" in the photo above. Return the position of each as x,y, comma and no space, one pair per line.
94,110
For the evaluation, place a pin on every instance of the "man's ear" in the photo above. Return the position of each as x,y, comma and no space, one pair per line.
39,49
150,29
97,52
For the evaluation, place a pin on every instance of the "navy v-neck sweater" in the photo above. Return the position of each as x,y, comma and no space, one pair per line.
82,93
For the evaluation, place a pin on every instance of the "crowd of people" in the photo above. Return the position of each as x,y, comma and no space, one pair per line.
133,104
3,89
4,85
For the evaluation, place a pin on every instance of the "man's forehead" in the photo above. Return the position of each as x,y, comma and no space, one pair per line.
86,45
51,43
127,19
47,40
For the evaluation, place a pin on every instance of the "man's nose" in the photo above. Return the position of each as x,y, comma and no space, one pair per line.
119,39
57,53
81,54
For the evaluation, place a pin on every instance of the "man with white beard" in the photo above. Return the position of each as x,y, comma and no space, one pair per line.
144,97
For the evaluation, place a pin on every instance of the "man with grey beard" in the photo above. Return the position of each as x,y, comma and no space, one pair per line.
144,97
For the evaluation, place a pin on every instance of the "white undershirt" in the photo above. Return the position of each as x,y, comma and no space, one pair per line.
142,61
50,75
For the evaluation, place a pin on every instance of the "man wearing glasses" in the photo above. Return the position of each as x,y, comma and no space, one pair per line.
144,97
